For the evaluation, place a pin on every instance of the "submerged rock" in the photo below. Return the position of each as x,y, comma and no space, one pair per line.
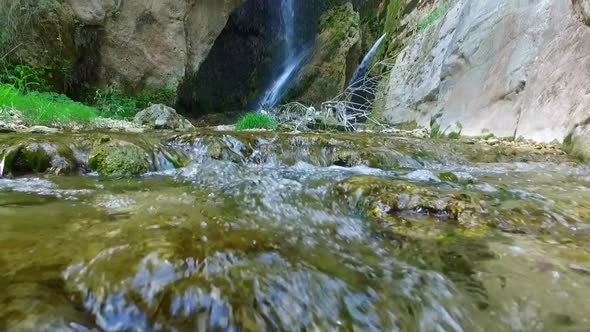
162,117
399,203
383,197
111,157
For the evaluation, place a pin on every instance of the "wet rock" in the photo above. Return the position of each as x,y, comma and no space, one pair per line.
226,148
324,75
577,143
42,130
38,157
423,175
10,127
162,117
383,198
111,157
580,268
346,157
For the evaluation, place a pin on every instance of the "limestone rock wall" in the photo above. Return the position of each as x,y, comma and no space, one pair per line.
134,44
509,67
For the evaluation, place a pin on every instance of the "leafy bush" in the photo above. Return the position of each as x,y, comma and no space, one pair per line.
114,104
25,78
148,97
256,121
45,107
19,18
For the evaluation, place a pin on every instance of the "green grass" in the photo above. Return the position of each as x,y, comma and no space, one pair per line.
256,121
45,108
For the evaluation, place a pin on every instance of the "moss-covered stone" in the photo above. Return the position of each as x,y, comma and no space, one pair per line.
577,143
422,207
118,158
37,157
384,198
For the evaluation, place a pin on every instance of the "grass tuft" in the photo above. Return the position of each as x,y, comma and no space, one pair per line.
256,121
45,108
438,13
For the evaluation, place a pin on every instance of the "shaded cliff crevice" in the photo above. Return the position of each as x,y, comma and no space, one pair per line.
238,64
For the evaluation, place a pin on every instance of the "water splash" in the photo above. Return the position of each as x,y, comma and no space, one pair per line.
362,68
293,59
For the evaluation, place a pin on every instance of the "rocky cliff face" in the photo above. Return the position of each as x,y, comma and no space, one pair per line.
132,44
335,55
512,68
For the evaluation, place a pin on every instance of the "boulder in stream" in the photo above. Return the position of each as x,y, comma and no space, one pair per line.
112,157
37,157
577,143
162,117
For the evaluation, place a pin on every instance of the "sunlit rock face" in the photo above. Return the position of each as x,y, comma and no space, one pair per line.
513,68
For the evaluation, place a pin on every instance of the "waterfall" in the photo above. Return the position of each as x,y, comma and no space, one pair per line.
2,162
292,61
361,71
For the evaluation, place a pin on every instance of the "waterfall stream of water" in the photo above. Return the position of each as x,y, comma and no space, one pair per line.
293,58
361,71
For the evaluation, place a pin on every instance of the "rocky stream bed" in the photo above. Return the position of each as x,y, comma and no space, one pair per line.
252,231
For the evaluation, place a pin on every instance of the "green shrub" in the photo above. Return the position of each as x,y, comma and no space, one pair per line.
45,107
25,78
256,121
19,19
114,104
148,97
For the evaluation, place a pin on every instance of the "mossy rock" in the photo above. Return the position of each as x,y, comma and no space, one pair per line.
118,158
38,157
227,148
577,143
406,205
382,198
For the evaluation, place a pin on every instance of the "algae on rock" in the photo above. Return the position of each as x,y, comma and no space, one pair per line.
118,158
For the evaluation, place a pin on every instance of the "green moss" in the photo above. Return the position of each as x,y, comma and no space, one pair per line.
256,121
118,158
449,177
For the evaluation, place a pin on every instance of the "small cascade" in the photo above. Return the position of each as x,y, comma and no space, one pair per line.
2,161
361,71
293,59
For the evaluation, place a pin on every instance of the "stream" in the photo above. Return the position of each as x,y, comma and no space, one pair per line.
270,233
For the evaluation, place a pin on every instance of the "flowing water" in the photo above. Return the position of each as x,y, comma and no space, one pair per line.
263,241
293,57
361,71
